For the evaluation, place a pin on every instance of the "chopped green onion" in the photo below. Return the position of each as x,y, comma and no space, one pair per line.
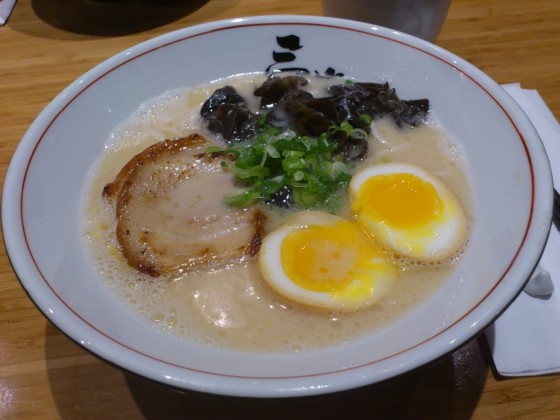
293,153
276,159
271,150
366,119
241,198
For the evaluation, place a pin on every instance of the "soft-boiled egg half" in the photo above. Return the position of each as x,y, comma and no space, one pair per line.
408,210
322,260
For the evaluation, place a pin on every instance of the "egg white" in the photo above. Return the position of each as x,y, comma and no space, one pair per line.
361,292
435,240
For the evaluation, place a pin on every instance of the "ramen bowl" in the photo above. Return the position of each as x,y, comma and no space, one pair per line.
50,172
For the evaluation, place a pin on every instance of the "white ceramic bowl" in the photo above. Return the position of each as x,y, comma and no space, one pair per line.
44,189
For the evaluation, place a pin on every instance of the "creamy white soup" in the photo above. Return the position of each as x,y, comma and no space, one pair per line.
232,307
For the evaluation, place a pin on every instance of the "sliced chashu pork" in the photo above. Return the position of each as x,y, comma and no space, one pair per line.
170,212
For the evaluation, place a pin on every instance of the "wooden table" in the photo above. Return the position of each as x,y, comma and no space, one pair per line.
43,374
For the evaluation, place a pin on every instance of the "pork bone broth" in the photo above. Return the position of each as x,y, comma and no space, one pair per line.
232,306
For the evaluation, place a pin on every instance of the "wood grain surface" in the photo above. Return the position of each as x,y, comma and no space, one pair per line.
47,44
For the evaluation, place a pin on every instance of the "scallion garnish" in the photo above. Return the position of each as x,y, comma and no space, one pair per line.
277,160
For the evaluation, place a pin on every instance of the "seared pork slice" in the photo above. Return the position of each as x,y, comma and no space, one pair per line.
170,212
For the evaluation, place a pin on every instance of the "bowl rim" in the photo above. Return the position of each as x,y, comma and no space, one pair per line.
248,386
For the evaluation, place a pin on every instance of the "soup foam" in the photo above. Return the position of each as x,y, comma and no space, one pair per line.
232,307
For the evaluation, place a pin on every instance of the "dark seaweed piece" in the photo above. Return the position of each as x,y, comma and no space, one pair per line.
361,98
274,88
351,148
282,198
303,119
286,105
404,112
224,95
412,112
235,122
226,113
339,109
358,99
375,99
290,106
291,112
388,100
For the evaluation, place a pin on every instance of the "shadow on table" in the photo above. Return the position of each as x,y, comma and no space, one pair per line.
82,386
112,18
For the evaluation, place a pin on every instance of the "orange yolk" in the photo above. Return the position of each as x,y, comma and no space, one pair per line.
400,200
326,258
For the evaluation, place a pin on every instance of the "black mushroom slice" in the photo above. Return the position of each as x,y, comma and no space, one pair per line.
226,113
289,105
348,102
274,89
375,100
286,104
412,112
351,148
299,116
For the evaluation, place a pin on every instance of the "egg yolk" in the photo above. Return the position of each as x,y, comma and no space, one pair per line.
326,258
400,200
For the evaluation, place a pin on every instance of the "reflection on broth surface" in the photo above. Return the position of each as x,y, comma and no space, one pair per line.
232,306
